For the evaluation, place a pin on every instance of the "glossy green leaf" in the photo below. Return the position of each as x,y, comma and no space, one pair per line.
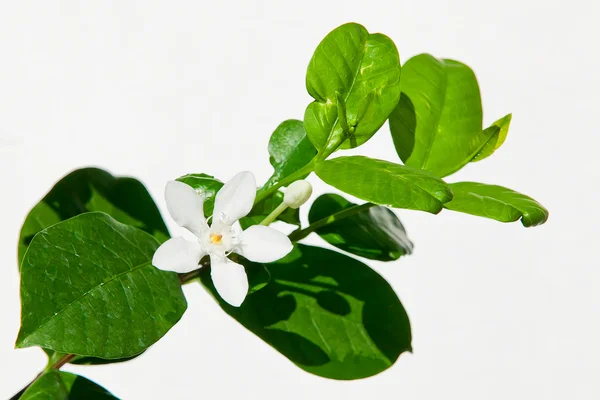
437,125
58,385
289,150
374,232
88,288
363,70
385,183
330,314
206,185
496,202
92,189
495,140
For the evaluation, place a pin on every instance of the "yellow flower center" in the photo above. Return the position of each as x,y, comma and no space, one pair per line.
216,238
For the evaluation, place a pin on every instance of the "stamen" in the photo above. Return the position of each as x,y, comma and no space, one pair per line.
216,238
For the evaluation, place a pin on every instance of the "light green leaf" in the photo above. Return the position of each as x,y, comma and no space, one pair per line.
328,313
361,68
372,232
437,125
58,385
496,140
289,150
206,185
88,288
92,189
496,202
385,183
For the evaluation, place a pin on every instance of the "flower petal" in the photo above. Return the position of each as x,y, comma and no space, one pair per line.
236,198
264,244
185,206
178,255
229,279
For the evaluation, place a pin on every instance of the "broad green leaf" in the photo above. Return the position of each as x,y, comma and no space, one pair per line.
58,385
92,189
88,288
496,202
205,185
437,124
289,150
361,69
374,232
496,140
261,210
385,183
330,314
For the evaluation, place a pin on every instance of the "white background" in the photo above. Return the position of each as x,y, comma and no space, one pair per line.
159,89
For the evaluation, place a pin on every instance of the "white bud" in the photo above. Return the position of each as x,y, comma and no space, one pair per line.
297,193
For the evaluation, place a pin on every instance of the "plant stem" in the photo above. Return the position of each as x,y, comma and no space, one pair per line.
302,233
62,361
299,174
271,217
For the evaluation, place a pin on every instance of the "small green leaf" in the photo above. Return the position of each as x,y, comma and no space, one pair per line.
289,150
496,202
92,189
364,69
496,140
88,288
58,385
374,232
330,314
385,183
437,124
206,185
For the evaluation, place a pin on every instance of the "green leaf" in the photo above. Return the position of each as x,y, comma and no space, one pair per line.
364,69
289,150
496,140
92,189
88,288
496,202
261,210
437,125
385,183
330,314
205,185
371,232
58,385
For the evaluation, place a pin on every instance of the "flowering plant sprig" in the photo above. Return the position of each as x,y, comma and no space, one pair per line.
101,276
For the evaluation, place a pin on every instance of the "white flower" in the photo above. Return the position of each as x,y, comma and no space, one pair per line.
224,236
297,194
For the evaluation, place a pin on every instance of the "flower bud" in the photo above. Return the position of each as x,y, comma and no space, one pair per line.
297,193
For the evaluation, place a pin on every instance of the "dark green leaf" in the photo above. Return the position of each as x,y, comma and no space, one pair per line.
437,125
205,185
289,150
496,202
385,183
373,232
496,140
328,313
58,385
364,69
92,189
88,288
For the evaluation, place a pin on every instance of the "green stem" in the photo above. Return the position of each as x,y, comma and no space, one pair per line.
302,233
271,217
307,169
